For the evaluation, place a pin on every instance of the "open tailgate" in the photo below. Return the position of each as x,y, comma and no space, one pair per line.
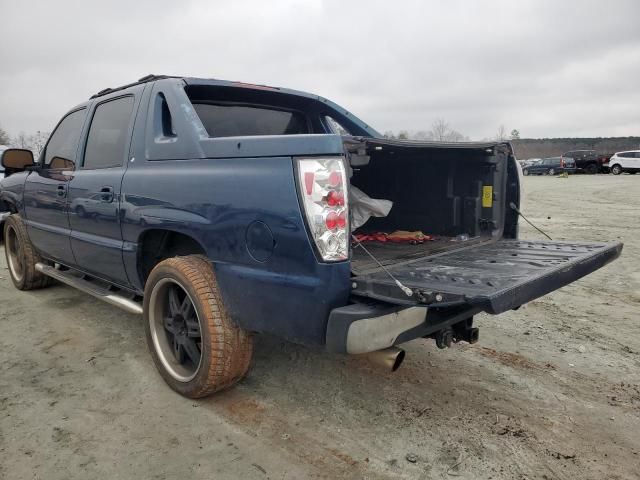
495,277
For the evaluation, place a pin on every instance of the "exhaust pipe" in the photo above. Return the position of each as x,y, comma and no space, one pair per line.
390,358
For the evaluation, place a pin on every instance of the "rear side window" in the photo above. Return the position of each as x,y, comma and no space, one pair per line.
108,134
335,126
221,120
63,145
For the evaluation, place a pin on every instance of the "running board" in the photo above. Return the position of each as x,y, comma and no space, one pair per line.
86,286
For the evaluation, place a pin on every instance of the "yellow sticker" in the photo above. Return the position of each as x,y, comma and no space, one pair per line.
487,196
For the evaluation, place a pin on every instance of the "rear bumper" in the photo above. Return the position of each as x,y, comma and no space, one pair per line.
367,327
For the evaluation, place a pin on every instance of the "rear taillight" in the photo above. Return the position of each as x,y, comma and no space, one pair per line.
323,187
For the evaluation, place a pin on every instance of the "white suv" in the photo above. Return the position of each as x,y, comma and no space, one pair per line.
624,162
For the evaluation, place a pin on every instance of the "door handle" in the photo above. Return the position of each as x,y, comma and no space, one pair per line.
106,194
62,190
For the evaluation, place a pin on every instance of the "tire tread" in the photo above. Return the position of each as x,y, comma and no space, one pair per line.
32,279
231,347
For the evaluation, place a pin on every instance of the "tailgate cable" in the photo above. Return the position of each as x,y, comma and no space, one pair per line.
406,290
513,207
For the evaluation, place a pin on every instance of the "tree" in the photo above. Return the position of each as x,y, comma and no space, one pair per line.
422,135
502,134
403,135
38,141
515,134
440,130
388,134
21,141
35,142
4,137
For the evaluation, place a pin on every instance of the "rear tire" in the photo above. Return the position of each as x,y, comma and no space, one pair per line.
525,172
195,345
616,169
591,169
21,256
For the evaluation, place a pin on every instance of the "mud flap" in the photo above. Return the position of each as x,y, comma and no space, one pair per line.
495,277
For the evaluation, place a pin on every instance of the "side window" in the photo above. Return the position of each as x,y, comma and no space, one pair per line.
62,147
108,134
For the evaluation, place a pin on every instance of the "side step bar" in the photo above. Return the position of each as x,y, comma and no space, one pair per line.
86,286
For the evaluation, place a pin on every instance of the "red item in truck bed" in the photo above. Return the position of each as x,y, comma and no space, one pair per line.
399,236
371,237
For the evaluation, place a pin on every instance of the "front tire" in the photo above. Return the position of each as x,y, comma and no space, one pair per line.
552,171
21,256
616,169
525,172
195,345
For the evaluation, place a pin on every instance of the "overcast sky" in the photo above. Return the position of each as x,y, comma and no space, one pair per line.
547,68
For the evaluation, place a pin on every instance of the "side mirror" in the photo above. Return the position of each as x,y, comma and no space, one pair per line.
17,159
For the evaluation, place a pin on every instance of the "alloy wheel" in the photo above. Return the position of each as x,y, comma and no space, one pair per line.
15,255
175,329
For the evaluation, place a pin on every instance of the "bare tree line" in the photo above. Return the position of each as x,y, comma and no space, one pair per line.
34,142
441,131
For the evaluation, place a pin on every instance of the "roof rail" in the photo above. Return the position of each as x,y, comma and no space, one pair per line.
145,79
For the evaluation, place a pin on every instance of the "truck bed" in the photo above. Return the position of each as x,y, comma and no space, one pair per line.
389,254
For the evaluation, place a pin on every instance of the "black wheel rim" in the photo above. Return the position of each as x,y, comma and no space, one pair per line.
175,330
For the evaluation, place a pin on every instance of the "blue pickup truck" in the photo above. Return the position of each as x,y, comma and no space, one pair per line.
219,210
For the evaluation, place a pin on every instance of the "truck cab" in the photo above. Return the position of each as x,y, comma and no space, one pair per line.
219,210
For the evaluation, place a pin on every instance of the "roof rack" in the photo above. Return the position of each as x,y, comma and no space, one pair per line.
145,79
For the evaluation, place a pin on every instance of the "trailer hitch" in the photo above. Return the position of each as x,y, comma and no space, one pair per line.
459,332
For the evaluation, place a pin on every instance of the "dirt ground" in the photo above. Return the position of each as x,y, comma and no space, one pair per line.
552,391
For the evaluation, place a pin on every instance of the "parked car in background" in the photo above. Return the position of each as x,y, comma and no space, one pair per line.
551,166
529,161
628,161
588,161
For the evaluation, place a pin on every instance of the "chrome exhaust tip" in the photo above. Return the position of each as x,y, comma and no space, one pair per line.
390,358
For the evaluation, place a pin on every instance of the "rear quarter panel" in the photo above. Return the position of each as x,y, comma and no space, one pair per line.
215,201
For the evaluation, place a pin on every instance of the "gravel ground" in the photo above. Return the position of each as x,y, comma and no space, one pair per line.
552,391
